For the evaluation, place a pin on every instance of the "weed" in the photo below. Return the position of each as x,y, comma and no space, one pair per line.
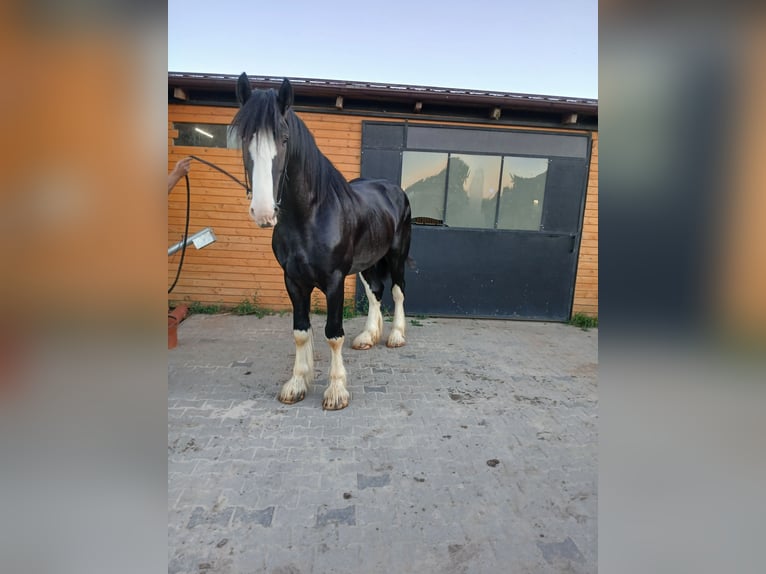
317,310
195,307
583,321
349,309
364,306
415,323
250,307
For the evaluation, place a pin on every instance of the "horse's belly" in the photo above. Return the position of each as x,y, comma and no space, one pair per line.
366,258
312,264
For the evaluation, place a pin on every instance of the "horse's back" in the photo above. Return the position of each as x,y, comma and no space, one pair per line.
376,189
364,184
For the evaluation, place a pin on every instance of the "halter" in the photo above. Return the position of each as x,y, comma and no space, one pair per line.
249,187
281,186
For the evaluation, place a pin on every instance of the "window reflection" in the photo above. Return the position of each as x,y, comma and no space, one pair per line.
482,191
472,190
522,193
205,135
424,177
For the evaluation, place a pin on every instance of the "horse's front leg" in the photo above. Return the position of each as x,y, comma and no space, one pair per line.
296,388
336,396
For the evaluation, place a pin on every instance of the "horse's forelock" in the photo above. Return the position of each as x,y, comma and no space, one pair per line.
259,113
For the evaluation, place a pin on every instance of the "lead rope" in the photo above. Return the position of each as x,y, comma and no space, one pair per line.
227,174
188,202
186,234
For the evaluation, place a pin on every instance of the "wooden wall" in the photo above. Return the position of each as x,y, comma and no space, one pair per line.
586,282
240,266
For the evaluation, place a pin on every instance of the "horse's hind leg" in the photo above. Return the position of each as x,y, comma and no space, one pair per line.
296,388
373,329
396,337
336,396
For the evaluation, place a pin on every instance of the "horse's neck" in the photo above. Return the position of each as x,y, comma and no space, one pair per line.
300,189
310,174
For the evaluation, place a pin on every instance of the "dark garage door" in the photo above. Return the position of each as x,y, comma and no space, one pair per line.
498,238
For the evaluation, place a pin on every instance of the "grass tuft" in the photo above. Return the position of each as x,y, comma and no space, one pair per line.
195,307
583,321
251,307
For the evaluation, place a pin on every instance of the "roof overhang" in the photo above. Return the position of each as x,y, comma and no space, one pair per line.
340,93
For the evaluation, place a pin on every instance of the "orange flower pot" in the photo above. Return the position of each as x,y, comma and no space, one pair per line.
172,332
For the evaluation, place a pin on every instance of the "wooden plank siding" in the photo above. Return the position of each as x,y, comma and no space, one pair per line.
240,265
586,281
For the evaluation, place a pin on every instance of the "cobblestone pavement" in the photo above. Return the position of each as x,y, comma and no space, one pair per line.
472,449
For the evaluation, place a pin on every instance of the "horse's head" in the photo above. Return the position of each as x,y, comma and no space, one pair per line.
261,125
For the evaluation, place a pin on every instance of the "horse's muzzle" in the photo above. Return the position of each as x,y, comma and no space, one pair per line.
264,220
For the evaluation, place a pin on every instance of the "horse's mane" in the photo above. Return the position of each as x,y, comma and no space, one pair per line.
261,112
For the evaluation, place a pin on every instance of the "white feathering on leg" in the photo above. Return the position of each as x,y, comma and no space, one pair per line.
396,338
373,328
296,388
336,396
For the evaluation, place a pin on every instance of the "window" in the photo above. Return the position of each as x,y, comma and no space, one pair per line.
424,178
475,191
482,178
472,190
205,135
522,193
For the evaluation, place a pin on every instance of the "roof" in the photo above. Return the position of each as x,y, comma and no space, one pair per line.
387,92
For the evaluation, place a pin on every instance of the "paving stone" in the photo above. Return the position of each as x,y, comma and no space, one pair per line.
262,517
363,481
346,515
399,481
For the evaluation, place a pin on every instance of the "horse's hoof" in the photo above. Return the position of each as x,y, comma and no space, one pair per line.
335,401
395,340
365,341
361,346
291,399
334,405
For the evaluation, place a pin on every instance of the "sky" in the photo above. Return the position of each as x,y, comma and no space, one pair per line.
547,47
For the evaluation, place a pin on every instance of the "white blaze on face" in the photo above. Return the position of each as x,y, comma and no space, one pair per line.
263,150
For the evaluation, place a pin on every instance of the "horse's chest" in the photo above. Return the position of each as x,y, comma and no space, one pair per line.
308,261
297,266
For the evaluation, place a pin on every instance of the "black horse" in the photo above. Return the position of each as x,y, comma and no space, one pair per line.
325,228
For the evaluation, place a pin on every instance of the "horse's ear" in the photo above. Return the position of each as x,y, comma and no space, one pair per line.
285,97
243,89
